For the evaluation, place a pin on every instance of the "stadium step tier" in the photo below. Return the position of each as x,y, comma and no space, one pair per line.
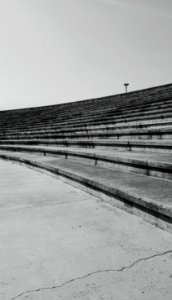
118,148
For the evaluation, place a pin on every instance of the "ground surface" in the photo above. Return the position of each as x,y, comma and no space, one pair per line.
57,242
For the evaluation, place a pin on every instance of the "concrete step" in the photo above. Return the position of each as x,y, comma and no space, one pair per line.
91,122
150,198
104,111
130,126
149,164
147,124
118,118
138,133
155,146
45,112
27,117
95,113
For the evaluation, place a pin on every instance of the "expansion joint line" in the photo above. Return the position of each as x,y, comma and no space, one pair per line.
93,273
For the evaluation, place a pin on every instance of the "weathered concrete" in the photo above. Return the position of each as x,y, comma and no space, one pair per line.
147,163
137,194
129,145
57,242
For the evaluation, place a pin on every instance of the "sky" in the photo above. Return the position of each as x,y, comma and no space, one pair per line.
56,51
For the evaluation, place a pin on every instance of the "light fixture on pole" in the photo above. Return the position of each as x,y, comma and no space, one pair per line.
126,86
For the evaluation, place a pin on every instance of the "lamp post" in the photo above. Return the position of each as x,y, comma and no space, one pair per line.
126,86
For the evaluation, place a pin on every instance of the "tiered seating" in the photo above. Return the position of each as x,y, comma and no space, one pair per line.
119,147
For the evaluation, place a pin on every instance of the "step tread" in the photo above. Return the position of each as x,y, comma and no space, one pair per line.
148,158
141,156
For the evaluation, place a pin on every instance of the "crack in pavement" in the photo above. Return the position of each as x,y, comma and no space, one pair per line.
93,273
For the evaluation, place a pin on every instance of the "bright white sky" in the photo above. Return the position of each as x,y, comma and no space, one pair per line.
54,51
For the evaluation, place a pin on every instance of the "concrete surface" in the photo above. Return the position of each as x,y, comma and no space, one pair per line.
165,158
155,145
150,164
57,242
148,193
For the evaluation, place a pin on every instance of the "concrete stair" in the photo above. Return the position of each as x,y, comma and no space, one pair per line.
146,163
118,146
41,116
102,133
158,146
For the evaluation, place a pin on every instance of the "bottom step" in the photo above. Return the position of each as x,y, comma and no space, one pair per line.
149,198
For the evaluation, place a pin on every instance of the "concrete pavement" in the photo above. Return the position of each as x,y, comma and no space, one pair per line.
57,242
